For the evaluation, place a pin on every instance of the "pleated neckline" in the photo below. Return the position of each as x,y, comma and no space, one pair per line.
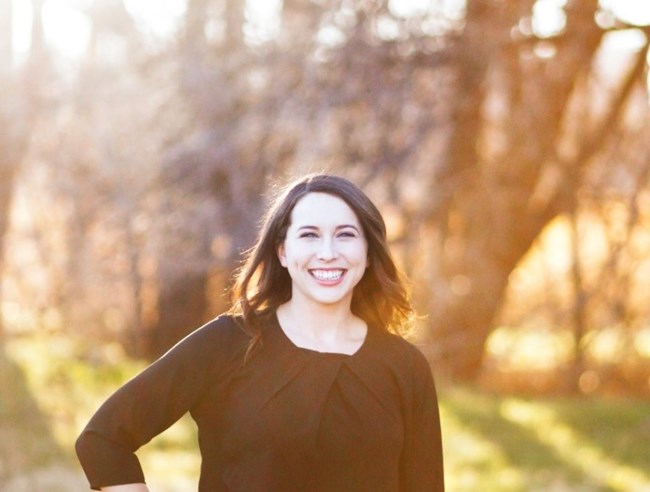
286,341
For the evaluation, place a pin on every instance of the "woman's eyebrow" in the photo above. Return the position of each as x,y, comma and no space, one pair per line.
342,226
347,226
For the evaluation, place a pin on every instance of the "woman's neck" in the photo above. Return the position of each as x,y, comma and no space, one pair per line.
322,327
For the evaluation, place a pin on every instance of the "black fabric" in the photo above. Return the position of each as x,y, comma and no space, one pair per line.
290,419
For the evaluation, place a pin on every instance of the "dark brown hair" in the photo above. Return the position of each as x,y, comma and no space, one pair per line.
262,283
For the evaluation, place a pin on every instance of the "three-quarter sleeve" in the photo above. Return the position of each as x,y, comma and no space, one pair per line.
152,401
422,462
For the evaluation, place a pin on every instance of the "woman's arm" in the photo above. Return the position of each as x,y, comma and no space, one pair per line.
151,402
422,458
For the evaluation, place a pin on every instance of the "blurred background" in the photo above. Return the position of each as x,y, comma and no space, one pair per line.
507,144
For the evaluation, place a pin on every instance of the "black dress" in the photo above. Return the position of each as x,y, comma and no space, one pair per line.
290,419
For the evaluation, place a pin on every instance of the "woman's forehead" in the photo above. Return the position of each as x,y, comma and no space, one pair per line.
324,208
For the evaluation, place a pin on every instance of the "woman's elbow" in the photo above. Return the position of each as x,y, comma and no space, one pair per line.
81,445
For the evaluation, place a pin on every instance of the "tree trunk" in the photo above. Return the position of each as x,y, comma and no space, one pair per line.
486,215
579,313
182,307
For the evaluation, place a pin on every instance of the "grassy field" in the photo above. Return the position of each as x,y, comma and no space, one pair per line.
491,442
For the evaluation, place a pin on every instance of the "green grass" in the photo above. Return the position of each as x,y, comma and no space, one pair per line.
507,443
54,386
49,387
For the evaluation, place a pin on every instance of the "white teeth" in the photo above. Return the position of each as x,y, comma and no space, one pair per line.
327,274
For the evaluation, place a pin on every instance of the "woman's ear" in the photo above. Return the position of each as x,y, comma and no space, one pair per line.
281,256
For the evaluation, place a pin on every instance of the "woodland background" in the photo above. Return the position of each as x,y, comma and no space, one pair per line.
506,142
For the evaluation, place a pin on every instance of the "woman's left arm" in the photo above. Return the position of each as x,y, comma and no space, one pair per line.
422,463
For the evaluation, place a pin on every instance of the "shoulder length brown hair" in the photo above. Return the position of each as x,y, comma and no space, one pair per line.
262,283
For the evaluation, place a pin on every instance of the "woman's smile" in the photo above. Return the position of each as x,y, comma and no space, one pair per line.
328,276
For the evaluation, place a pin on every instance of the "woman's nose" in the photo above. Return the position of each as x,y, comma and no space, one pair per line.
327,250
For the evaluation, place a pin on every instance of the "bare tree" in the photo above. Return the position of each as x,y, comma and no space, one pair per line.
505,197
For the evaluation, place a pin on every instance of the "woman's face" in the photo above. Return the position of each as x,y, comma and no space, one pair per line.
325,250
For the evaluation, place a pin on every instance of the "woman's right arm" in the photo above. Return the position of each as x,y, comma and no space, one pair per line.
151,402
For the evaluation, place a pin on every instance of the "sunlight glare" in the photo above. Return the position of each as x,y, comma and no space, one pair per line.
408,8
642,342
262,20
66,28
633,12
629,40
387,28
22,25
161,19
330,36
518,350
549,18
450,9
606,345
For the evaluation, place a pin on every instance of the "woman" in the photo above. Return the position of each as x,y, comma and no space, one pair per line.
304,385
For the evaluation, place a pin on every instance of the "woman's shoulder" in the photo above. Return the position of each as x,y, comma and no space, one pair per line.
400,351
391,364
222,335
394,342
225,324
223,328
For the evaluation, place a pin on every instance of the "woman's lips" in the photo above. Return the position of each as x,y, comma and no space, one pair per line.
329,276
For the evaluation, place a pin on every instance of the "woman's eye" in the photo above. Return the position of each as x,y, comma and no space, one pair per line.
347,234
307,234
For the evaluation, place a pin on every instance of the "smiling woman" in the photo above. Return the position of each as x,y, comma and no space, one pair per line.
301,386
